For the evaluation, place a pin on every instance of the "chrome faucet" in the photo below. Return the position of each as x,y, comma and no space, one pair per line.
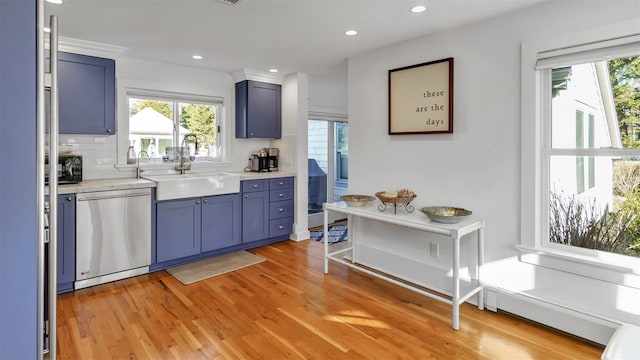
138,162
183,167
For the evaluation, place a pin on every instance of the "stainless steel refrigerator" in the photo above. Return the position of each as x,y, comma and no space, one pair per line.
47,132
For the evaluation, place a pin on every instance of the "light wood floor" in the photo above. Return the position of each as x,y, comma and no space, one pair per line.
286,308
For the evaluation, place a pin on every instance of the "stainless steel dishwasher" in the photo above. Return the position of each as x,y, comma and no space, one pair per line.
113,235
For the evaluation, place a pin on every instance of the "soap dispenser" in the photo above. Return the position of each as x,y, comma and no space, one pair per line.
131,153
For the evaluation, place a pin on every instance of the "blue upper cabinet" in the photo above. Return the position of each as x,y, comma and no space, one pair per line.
87,94
258,110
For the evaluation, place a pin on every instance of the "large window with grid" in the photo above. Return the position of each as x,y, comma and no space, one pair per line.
159,122
590,155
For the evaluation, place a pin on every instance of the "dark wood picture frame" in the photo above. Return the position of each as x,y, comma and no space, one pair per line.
421,98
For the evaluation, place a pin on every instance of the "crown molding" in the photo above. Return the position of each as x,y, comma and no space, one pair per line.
91,48
255,75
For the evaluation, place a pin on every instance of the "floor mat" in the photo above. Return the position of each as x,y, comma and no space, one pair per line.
213,266
337,233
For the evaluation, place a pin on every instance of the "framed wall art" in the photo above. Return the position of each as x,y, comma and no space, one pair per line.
421,98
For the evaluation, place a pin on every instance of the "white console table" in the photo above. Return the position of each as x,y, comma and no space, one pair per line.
418,221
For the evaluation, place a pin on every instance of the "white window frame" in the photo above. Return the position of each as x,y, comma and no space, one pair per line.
536,152
185,98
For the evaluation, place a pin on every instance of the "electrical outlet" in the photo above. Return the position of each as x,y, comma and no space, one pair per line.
434,249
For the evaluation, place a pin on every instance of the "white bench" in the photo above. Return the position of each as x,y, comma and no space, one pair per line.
624,344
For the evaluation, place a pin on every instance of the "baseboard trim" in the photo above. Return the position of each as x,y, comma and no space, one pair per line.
580,324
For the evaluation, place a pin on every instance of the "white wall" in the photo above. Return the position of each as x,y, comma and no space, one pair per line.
328,89
478,166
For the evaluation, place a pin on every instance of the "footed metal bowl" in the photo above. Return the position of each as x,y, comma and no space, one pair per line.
357,200
445,214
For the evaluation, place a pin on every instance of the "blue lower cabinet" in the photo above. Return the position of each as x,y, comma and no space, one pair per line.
280,209
190,229
221,222
280,227
267,215
178,229
187,228
255,216
66,254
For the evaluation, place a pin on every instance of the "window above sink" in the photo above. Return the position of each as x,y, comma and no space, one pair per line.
159,121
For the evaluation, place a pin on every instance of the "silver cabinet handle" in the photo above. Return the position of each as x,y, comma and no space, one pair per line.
255,185
108,131
281,183
281,227
281,209
197,202
69,198
205,201
281,194
246,196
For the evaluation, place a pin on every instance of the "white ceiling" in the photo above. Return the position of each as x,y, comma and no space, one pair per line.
291,35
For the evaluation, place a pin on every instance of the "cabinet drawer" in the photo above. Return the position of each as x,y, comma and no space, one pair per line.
280,227
280,209
281,194
281,183
255,185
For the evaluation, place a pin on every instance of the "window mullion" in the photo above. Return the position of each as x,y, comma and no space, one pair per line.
545,158
176,123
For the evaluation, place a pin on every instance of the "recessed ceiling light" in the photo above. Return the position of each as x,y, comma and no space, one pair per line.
47,30
273,70
55,1
350,32
418,9
197,57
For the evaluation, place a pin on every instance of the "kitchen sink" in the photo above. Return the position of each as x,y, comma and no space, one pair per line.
177,186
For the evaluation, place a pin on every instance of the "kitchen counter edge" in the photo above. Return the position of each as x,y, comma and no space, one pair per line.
131,183
105,185
247,175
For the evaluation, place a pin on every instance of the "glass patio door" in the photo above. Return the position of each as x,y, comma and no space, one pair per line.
328,166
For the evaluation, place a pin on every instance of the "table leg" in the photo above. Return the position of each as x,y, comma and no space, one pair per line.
326,240
480,263
351,237
455,301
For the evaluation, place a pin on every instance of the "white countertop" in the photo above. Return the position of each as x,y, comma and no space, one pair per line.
105,184
133,183
247,175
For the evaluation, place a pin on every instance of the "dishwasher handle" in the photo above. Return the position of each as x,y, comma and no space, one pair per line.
104,195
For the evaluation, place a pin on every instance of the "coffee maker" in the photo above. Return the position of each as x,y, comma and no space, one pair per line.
265,160
272,156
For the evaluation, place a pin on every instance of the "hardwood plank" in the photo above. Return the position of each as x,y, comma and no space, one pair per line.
286,308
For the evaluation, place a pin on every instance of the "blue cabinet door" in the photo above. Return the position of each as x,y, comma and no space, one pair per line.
87,94
66,242
258,110
255,216
221,222
178,229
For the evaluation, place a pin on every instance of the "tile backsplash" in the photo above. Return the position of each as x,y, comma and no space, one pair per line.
99,154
